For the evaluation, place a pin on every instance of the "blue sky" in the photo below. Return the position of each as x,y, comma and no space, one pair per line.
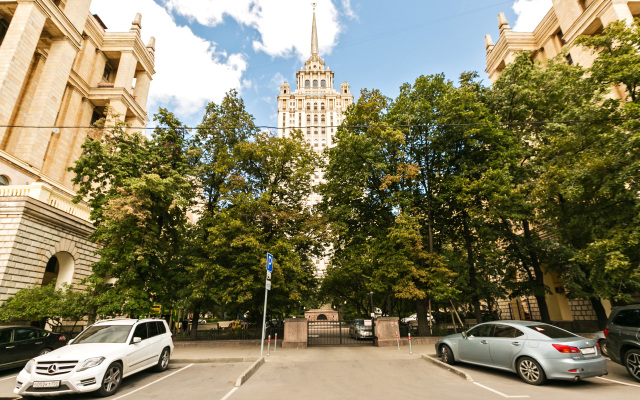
206,47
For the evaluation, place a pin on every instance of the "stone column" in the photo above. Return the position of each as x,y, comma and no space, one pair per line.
141,91
295,333
16,52
75,149
618,9
567,12
385,330
126,70
77,11
46,102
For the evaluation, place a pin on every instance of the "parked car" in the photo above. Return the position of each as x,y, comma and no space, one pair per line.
535,351
98,358
358,329
602,342
414,317
623,338
19,344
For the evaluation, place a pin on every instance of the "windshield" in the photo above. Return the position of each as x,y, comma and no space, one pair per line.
104,334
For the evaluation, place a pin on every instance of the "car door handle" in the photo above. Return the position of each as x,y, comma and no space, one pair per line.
515,343
484,342
38,342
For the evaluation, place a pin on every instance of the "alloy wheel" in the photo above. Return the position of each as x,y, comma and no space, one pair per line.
632,361
112,378
529,370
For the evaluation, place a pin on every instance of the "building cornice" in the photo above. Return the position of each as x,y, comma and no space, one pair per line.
123,41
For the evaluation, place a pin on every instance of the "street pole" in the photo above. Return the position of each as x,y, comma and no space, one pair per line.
264,320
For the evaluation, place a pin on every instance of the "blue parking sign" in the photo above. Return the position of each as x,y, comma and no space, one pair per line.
269,262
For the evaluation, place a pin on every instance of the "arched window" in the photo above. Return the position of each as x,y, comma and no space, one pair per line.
308,118
315,106
315,83
323,84
307,84
321,106
59,267
4,180
322,118
308,106
315,118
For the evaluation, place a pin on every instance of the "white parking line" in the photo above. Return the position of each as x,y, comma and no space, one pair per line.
156,381
621,383
501,394
9,377
226,396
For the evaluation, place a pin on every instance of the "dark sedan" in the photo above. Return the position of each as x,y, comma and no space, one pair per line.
19,344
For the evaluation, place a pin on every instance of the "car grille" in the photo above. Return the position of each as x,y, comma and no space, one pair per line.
61,388
52,368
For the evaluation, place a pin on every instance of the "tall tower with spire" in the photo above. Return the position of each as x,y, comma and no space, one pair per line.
315,108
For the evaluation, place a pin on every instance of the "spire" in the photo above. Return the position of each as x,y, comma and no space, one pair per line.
314,34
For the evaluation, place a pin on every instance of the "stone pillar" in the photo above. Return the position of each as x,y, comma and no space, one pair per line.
16,53
77,11
43,111
117,112
126,70
567,12
385,330
295,333
617,10
141,91
75,149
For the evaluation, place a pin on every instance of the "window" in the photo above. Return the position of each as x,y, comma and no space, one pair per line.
629,318
504,331
141,331
551,331
322,119
480,331
25,334
321,106
107,72
315,119
569,59
4,181
308,106
153,329
315,83
5,336
307,84
308,118
345,90
323,84
161,328
315,106
3,29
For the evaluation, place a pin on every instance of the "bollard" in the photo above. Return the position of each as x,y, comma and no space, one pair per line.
410,352
398,340
268,345
275,344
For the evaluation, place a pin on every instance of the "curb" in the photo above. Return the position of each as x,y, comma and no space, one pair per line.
213,360
250,371
448,367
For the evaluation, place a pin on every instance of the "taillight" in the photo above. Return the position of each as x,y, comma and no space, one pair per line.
562,348
62,339
606,333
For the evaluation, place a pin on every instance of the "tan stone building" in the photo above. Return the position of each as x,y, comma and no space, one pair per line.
554,35
315,108
60,70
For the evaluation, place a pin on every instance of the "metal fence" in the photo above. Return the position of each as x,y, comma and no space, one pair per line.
338,333
250,333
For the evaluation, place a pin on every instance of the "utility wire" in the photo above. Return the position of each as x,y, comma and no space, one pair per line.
518,123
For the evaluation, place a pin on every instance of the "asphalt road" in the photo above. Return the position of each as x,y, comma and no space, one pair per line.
350,372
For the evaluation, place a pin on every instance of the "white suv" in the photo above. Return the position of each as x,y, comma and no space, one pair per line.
98,358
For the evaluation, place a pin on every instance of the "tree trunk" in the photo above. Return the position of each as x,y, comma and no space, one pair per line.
423,324
194,323
601,314
539,276
473,282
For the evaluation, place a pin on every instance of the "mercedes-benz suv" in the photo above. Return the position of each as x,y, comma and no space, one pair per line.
98,358
623,338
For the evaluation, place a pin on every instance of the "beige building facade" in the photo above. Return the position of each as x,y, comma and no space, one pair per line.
315,108
60,71
556,35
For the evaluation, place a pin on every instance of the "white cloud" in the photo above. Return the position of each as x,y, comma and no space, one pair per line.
348,11
284,25
530,13
276,81
189,70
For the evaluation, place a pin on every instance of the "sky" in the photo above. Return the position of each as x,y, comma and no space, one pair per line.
204,48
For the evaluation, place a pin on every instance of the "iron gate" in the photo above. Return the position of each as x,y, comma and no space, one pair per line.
340,333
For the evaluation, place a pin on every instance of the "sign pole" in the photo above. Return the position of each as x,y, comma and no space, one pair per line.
267,286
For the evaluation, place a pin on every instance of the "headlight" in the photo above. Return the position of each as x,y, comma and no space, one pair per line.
90,363
29,366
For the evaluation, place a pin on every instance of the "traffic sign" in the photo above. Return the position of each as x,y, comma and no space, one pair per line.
268,285
269,262
268,275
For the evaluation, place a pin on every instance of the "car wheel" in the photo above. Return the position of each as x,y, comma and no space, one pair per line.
603,347
530,371
44,351
163,362
446,355
111,380
632,362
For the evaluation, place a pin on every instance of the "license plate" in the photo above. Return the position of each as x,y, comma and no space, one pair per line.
588,350
46,384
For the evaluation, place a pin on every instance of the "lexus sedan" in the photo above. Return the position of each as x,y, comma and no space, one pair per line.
535,351
19,344
98,359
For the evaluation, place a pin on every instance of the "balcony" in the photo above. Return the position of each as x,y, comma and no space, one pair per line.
45,193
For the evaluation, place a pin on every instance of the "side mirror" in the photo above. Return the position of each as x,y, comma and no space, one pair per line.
464,334
136,340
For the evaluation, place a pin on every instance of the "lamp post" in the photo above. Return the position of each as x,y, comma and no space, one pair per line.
371,296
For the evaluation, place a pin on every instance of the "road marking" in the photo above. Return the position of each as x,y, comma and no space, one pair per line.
9,377
501,394
621,383
156,381
226,396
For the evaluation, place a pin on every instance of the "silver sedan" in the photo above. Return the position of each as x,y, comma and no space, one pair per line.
534,350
